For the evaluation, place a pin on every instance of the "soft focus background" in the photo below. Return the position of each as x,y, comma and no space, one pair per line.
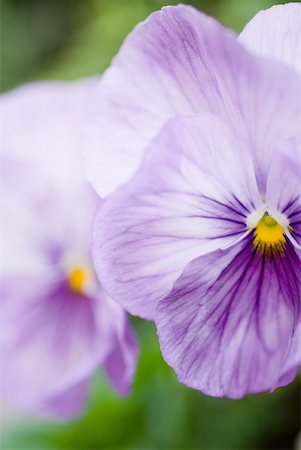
69,39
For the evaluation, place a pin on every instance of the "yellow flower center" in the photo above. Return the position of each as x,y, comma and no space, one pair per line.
77,278
269,235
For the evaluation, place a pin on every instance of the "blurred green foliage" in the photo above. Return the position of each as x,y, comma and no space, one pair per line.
69,39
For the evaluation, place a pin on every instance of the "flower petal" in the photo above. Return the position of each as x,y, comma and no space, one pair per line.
191,196
276,33
59,108
64,405
284,184
42,176
288,377
293,360
227,325
120,364
180,61
51,339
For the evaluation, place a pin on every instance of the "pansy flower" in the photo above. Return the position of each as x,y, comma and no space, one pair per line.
58,327
205,237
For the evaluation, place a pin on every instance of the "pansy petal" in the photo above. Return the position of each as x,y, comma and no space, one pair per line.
284,184
287,378
59,108
284,181
180,204
276,33
64,405
53,337
120,364
227,325
293,360
179,61
41,173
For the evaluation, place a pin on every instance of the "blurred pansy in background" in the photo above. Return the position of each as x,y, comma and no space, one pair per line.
205,239
57,325
189,120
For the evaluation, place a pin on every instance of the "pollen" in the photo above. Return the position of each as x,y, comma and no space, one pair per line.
269,235
76,279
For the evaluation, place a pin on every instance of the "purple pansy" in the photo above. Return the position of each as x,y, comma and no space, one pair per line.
58,327
205,235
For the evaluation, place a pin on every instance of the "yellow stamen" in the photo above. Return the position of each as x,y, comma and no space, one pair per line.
269,235
77,279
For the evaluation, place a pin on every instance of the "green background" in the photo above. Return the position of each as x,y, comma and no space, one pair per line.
69,39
